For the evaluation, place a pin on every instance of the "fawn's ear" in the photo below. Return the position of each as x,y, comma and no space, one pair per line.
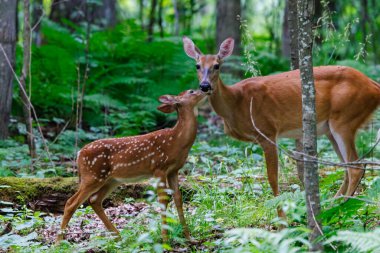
166,108
190,49
226,48
168,99
169,103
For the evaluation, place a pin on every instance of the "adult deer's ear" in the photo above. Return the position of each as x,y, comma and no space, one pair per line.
226,48
169,103
190,49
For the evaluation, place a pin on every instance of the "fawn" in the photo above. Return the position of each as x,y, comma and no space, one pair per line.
107,163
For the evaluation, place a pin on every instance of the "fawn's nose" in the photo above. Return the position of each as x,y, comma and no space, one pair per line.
205,86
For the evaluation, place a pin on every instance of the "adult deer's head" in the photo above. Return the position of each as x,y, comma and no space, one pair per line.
208,65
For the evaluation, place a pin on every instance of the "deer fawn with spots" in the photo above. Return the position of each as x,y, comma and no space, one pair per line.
107,163
264,108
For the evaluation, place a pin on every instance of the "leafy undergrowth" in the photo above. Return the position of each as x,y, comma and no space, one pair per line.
231,209
223,217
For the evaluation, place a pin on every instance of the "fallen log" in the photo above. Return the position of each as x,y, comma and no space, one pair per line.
51,194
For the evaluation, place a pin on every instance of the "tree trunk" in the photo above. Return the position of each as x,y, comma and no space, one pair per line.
152,19
293,54
160,21
227,24
103,14
305,44
141,13
372,25
25,98
363,24
176,17
285,46
317,15
36,22
8,38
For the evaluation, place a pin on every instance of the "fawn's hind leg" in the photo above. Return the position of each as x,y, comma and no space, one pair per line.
84,191
96,201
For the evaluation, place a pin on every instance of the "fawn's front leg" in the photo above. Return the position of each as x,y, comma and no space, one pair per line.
173,183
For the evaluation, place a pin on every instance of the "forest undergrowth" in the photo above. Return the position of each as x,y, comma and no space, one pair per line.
230,209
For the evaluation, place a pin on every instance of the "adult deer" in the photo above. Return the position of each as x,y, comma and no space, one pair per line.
345,99
105,164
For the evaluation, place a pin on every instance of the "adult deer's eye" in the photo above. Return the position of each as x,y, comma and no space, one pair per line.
216,66
198,66
191,91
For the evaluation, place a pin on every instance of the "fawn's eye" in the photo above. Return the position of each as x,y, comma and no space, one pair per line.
216,66
191,91
198,66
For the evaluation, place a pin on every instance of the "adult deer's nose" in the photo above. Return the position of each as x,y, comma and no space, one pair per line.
205,86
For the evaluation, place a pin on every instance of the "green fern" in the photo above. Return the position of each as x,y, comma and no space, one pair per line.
358,241
260,240
297,197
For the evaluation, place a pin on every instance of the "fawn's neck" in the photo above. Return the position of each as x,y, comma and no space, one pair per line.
186,127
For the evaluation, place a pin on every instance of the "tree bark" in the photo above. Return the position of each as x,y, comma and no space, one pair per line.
318,10
103,14
305,44
372,25
293,54
176,17
285,46
293,34
227,23
8,36
152,20
141,13
25,98
160,21
363,23
36,22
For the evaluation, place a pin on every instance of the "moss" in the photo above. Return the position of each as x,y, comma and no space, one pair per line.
29,189
50,194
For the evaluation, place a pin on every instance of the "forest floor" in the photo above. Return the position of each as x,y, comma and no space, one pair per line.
230,208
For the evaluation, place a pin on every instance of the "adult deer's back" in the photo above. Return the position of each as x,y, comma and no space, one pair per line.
262,109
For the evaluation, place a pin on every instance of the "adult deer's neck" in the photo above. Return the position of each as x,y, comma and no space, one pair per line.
186,126
223,99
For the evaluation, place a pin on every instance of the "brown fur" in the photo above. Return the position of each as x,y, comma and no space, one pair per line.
345,100
105,164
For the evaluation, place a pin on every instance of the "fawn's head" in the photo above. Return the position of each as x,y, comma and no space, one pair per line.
186,99
208,65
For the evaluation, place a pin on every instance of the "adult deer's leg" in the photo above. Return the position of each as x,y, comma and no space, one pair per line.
173,183
343,188
96,201
163,198
271,159
345,140
85,190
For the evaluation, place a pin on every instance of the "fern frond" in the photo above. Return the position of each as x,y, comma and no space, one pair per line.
359,241
287,240
296,197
